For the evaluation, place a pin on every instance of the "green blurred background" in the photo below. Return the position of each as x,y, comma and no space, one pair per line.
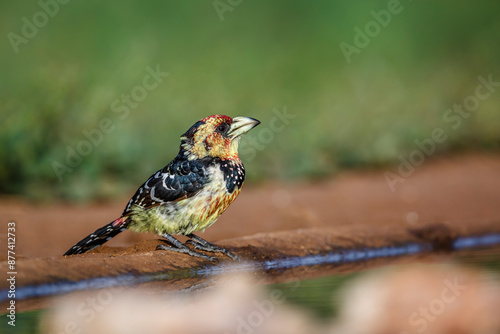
263,56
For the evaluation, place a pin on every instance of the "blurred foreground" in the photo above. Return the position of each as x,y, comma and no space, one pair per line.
437,299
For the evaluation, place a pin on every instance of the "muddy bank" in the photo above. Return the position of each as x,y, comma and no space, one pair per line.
270,257
442,200
457,191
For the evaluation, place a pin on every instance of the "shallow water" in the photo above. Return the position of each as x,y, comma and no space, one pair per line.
321,296
357,256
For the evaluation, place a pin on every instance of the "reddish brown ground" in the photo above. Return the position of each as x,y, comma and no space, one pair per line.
458,195
459,191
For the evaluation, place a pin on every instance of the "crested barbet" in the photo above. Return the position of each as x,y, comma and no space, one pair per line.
188,194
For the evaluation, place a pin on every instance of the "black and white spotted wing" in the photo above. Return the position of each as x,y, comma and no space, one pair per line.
180,179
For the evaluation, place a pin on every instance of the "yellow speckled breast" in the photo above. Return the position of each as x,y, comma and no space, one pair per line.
189,215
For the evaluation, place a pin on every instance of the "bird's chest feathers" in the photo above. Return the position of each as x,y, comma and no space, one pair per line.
224,185
198,212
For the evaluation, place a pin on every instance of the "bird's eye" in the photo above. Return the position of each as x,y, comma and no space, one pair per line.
222,128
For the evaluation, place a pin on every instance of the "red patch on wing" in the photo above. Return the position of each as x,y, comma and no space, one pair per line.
118,222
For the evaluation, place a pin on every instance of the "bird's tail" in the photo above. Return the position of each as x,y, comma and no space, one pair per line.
100,236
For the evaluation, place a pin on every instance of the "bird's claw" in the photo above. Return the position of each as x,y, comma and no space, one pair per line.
189,252
233,256
213,249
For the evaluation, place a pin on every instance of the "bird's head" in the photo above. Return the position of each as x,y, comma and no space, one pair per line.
216,136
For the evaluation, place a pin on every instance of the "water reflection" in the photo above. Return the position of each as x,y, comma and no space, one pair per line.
418,298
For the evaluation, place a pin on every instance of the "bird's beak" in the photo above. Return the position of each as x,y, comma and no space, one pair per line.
242,125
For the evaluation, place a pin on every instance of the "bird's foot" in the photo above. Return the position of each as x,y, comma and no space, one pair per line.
213,249
181,248
188,251
203,245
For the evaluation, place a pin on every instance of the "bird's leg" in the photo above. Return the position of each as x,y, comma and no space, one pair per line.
202,244
181,248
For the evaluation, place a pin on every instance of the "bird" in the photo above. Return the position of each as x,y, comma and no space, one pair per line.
188,194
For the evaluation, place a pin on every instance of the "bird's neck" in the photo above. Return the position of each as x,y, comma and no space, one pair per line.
190,152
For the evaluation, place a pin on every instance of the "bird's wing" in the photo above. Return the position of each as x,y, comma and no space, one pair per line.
178,180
